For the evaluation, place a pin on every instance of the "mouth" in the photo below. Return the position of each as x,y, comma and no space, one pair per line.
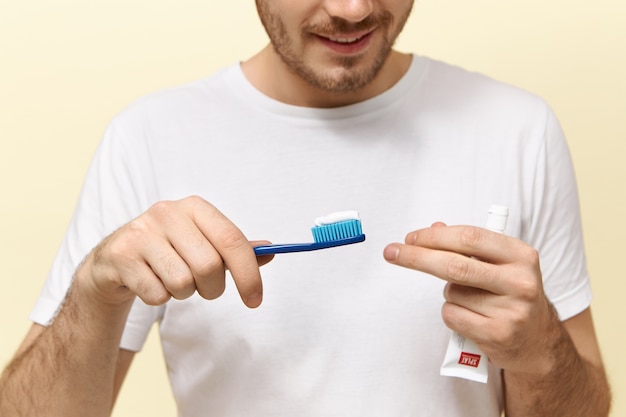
347,44
345,40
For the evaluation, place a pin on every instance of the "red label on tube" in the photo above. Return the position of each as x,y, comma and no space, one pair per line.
469,359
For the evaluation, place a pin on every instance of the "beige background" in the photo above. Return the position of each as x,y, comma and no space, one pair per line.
68,66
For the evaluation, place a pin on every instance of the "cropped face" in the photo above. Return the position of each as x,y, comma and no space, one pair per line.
334,45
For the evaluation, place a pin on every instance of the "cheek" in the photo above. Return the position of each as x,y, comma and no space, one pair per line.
400,11
280,22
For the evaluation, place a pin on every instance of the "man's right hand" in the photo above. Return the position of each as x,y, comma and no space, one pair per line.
172,250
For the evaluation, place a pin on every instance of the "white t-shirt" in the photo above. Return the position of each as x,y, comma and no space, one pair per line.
340,332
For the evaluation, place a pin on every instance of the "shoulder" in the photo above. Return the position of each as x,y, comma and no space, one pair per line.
475,94
181,102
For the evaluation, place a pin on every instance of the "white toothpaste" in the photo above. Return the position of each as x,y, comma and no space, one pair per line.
464,359
339,216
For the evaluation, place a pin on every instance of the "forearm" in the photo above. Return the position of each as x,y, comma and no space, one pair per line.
69,369
572,387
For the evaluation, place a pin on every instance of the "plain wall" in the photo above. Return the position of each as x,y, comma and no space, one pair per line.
67,67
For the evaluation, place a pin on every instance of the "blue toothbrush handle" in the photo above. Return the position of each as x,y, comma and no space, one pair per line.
305,247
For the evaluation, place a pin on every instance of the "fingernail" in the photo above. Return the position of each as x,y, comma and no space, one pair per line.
391,253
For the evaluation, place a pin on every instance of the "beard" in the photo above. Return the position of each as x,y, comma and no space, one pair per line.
346,74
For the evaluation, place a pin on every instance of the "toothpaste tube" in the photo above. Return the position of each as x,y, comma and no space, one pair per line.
463,358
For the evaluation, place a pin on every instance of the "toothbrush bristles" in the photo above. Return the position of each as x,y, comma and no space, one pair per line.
335,231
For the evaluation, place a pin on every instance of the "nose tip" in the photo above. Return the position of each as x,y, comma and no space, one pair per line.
349,10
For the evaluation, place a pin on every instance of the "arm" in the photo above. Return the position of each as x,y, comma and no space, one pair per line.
494,296
69,367
75,367
577,360
124,360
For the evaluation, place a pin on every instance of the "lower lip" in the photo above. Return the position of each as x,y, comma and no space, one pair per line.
351,48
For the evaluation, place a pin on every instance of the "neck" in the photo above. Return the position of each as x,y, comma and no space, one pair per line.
271,76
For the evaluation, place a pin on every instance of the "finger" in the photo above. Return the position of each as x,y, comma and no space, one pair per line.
170,268
210,276
212,284
466,322
468,240
168,248
235,250
262,259
180,255
143,282
473,299
449,266
205,264
121,259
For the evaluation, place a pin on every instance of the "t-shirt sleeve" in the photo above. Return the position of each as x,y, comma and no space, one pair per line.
554,226
116,189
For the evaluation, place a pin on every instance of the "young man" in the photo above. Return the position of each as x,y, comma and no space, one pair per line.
328,117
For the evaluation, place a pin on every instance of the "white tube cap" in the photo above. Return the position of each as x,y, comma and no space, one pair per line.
497,218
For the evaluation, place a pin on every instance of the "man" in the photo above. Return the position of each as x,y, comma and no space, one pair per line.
328,117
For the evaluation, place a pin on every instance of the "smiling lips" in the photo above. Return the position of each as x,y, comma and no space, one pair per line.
349,44
345,40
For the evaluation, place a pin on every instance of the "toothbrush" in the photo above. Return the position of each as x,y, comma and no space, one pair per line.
335,229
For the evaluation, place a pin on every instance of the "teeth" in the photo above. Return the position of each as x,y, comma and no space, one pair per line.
344,40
